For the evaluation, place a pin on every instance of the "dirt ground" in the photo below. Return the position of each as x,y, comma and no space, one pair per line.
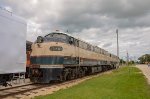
146,71
53,88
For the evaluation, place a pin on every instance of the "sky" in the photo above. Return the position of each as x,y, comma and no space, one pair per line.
94,21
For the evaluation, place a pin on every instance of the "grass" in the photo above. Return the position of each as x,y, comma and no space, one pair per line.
124,83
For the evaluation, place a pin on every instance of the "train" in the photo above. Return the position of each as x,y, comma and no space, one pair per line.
13,46
59,57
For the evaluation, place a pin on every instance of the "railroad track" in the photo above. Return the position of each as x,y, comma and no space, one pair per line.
16,87
21,90
13,91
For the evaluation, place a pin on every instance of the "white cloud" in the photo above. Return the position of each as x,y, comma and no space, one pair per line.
94,21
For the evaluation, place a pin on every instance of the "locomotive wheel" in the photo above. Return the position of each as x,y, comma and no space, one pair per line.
83,73
61,78
73,74
66,74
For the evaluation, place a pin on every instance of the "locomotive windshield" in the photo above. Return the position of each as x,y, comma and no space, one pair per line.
57,37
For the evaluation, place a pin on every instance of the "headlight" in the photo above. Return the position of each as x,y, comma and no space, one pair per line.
39,39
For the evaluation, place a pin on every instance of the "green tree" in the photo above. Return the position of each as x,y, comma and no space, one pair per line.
144,58
122,61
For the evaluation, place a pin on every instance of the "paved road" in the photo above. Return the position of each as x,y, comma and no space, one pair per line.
146,71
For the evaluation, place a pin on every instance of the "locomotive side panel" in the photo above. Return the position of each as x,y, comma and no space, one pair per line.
70,54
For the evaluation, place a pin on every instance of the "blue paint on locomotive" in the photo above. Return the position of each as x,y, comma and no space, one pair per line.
63,60
47,60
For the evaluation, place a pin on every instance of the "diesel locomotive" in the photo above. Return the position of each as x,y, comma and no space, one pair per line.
59,56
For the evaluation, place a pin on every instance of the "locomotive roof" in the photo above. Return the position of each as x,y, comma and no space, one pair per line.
71,36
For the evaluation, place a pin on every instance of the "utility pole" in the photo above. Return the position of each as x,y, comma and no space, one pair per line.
127,58
117,47
117,44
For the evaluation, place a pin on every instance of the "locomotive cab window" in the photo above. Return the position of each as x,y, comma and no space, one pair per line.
76,43
71,40
55,35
